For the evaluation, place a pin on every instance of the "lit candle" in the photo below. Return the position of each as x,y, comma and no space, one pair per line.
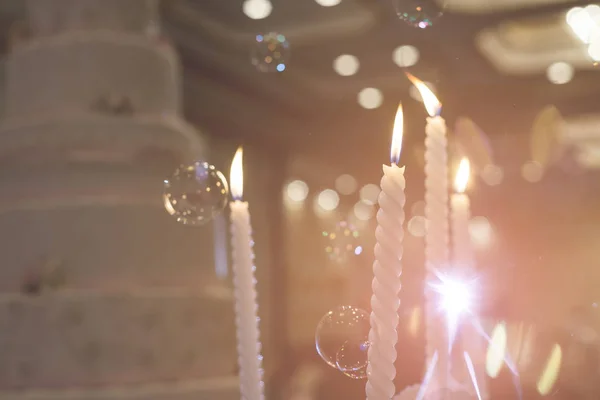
462,251
386,270
436,239
246,307
464,263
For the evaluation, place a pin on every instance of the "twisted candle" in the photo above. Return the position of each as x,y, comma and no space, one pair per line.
386,285
437,237
387,268
246,308
464,263
436,240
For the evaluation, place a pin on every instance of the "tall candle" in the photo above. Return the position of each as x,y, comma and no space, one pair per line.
246,307
462,251
437,237
387,268
464,263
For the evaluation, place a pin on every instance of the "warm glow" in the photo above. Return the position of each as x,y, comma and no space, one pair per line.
455,296
462,176
496,351
551,370
397,136
432,104
257,9
297,191
328,200
414,322
236,175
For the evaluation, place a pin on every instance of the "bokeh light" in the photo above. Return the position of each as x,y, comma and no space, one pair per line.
560,73
417,226
346,65
297,191
585,22
551,370
369,193
406,56
532,171
414,321
594,50
492,175
496,351
328,3
195,193
363,211
341,339
271,52
419,13
257,9
370,98
328,200
481,232
342,242
346,184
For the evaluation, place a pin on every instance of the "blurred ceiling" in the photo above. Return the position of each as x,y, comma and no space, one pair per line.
474,55
487,59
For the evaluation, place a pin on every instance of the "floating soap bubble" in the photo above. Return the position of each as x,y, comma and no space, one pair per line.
342,243
195,193
351,359
419,13
271,52
341,339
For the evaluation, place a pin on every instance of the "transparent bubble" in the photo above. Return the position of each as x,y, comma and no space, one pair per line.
343,242
418,13
351,359
341,338
271,52
196,193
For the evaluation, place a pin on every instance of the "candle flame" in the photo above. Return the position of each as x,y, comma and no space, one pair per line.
432,104
397,135
236,175
462,175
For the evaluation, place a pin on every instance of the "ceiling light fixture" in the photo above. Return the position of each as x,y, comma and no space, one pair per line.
257,9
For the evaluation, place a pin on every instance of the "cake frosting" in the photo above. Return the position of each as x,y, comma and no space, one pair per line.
102,295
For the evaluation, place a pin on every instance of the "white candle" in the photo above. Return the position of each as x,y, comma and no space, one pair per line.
464,264
437,237
246,307
387,268
462,251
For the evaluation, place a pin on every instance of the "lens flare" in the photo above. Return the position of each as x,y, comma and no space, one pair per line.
455,301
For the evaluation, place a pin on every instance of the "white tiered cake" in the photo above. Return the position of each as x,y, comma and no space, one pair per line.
91,127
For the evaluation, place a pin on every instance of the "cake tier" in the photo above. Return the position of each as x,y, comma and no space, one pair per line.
47,18
95,339
106,71
205,389
63,138
96,246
